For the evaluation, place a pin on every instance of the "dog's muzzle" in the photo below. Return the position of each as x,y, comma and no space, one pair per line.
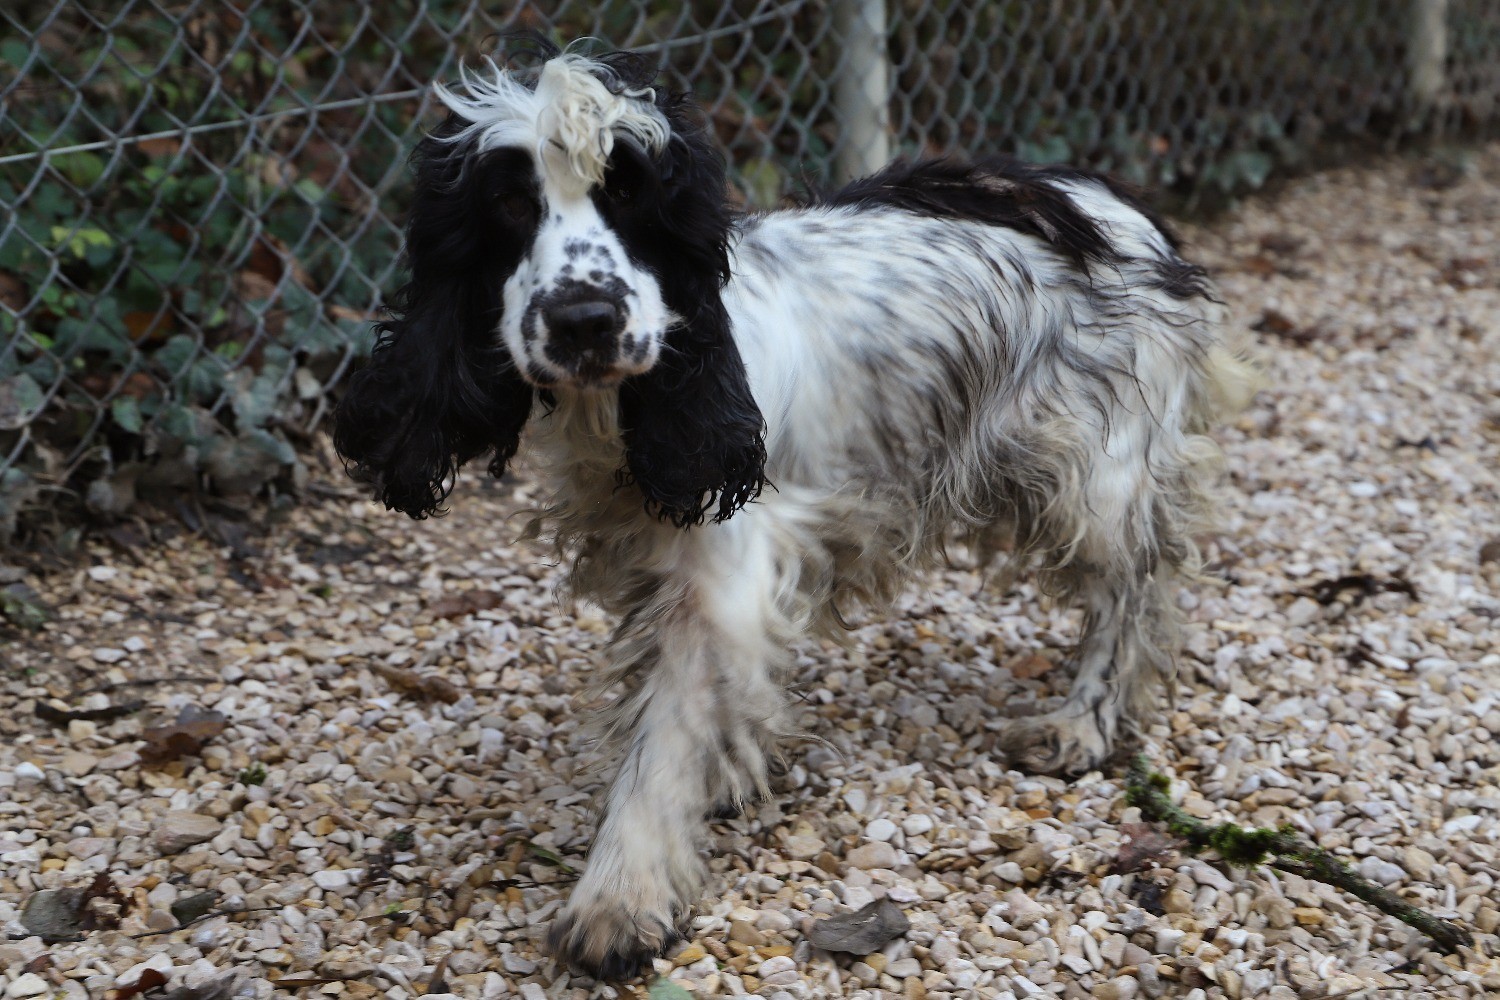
587,329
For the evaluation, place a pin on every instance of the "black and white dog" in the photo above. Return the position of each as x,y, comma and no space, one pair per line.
748,420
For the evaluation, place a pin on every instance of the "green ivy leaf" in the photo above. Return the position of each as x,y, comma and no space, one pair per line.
21,399
83,169
254,398
127,413
78,241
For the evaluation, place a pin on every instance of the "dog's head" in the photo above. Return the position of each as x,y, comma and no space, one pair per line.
568,234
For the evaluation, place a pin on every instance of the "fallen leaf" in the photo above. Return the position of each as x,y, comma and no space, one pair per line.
1281,243
272,259
1361,586
13,293
466,602
863,931
1149,895
550,858
1279,324
1030,667
150,979
194,727
1490,551
148,325
1260,265
1146,847
428,687
158,148
65,914
195,906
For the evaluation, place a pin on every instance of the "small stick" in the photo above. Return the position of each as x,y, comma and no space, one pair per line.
1284,849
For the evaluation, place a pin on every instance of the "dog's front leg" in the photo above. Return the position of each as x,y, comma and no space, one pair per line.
702,710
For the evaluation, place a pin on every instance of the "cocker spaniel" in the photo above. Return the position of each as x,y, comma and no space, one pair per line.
747,420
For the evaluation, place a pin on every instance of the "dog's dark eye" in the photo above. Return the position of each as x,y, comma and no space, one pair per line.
626,175
617,188
517,208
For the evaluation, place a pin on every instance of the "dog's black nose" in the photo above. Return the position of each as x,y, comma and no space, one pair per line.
584,326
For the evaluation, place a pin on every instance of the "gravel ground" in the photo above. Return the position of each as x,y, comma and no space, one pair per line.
379,838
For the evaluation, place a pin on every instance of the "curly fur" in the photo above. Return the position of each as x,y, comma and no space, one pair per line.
747,422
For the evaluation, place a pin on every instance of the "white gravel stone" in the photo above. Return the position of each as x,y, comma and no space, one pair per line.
1381,872
875,855
334,879
179,830
28,984
28,773
917,825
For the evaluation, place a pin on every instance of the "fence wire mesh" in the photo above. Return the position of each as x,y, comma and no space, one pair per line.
202,199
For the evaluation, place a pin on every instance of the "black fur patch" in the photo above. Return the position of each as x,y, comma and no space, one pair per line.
439,390
694,436
1000,191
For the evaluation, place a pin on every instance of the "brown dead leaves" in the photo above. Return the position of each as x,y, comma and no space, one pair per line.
1146,848
1030,667
185,737
464,603
426,687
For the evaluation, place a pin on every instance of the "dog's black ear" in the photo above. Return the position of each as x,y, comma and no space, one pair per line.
439,388
694,436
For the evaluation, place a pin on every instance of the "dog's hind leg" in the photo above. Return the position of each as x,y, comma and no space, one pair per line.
1116,535
702,707
1122,659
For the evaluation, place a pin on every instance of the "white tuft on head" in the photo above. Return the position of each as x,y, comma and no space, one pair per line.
571,119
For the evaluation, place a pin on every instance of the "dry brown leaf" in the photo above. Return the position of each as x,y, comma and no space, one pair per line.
1030,667
12,291
466,602
64,914
194,727
1279,324
1490,551
428,687
151,979
158,148
352,315
1147,847
1284,244
150,326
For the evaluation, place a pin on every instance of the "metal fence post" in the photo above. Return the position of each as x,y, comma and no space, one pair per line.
1426,58
862,91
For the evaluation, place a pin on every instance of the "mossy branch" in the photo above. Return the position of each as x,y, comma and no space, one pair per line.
1284,849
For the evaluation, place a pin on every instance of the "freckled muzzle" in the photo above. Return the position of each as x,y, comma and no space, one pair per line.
579,311
578,327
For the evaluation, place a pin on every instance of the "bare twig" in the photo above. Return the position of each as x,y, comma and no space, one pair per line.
1282,849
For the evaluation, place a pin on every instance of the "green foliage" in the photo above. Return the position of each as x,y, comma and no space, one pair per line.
171,308
20,607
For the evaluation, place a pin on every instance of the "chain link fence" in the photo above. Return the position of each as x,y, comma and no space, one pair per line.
202,199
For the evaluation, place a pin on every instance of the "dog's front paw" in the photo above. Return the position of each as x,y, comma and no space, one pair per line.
1061,743
609,940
